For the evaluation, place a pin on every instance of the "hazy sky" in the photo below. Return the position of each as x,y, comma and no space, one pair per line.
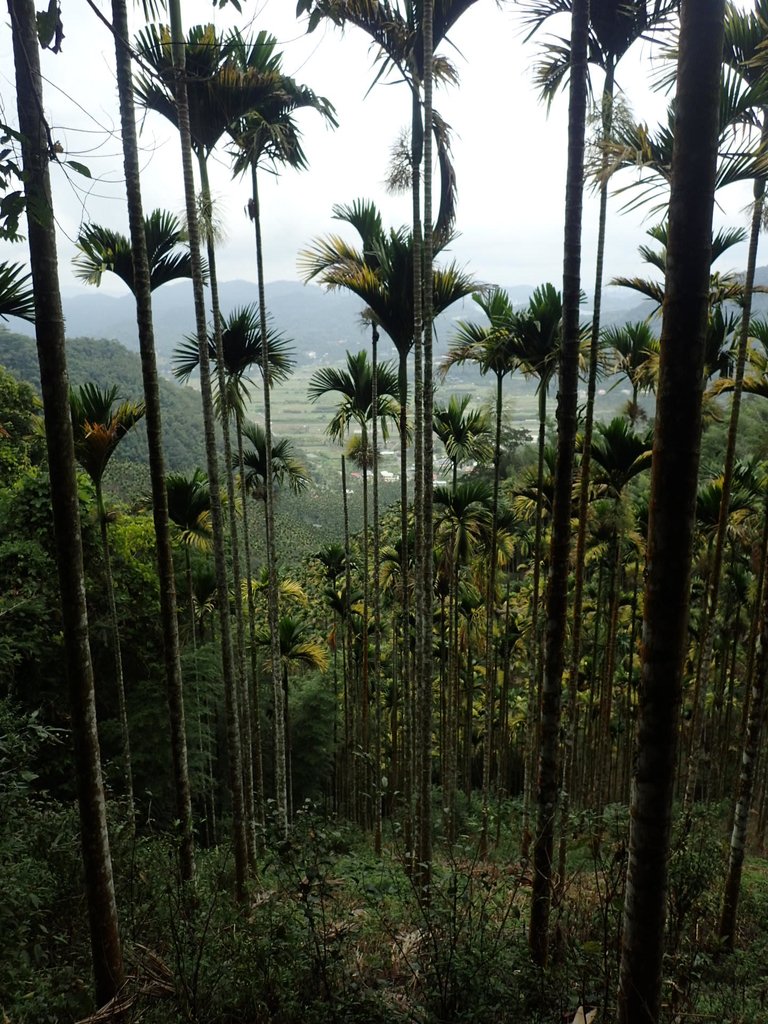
509,156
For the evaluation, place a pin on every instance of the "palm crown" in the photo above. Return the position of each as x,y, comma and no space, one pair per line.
103,249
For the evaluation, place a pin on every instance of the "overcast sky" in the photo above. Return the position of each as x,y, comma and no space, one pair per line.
509,155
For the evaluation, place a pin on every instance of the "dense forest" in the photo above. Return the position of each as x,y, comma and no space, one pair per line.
431,712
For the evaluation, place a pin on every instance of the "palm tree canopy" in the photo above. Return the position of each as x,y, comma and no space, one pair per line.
723,287
465,433
287,470
632,345
99,425
380,272
189,507
463,517
268,131
354,385
395,26
635,145
541,333
288,588
16,298
619,454
613,29
242,345
103,249
298,645
333,559
219,91
497,346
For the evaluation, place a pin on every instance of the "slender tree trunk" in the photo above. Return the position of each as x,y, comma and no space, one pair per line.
405,597
421,812
534,691
425,690
166,574
125,736
490,616
349,708
377,674
241,682
51,352
257,754
672,504
273,590
365,697
222,589
557,591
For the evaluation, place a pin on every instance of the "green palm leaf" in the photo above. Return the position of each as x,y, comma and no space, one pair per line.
16,299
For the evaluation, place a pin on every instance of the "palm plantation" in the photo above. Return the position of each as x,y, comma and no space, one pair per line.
437,762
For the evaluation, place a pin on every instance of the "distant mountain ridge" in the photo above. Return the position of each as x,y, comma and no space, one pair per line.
321,324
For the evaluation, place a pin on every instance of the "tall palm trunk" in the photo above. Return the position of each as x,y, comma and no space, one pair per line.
405,598
167,577
273,590
584,478
117,653
557,591
672,504
365,668
222,590
536,666
377,673
350,761
421,812
257,755
243,696
490,661
713,591
425,692
49,330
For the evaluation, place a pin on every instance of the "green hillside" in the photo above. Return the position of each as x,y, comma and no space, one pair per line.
107,363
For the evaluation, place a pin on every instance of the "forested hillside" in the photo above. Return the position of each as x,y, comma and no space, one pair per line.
108,363
403,660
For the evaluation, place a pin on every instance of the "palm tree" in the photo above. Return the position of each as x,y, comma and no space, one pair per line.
745,40
613,30
498,349
380,273
219,94
99,427
464,516
632,346
672,505
189,509
265,132
557,595
16,298
178,78
145,244
49,328
298,648
619,454
241,340
358,386
722,287
287,470
463,432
